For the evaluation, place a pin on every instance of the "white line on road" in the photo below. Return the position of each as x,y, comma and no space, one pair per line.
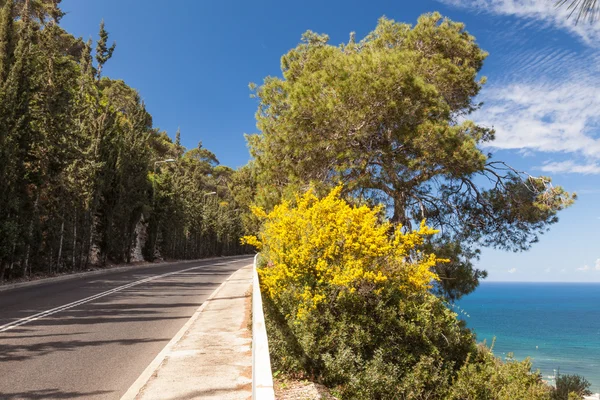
43,314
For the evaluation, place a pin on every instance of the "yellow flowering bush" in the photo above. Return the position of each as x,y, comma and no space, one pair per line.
324,244
347,301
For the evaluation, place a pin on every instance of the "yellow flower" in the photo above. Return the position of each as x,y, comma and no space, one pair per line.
324,244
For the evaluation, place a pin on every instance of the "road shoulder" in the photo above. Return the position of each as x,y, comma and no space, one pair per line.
211,356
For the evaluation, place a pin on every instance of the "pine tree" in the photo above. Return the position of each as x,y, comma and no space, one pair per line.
20,169
6,40
103,53
56,148
89,135
178,137
178,147
387,128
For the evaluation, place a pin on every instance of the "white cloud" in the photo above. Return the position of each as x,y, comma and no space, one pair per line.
571,167
548,270
547,98
512,270
588,268
545,117
542,12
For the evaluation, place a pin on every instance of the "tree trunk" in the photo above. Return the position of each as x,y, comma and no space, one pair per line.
74,240
400,216
30,234
12,256
60,246
2,270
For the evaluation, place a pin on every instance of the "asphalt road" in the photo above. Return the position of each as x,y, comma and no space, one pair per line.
91,337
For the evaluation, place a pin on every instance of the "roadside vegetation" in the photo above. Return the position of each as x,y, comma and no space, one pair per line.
86,179
570,387
348,303
374,198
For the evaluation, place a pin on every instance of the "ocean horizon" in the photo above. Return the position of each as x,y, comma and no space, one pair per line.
556,324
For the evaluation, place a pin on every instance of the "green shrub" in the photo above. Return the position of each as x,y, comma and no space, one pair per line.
371,346
570,387
486,377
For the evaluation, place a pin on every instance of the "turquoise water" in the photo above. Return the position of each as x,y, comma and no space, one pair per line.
556,324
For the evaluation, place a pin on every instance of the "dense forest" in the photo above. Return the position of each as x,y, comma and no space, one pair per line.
86,179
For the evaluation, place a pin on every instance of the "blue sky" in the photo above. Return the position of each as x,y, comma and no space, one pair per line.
192,62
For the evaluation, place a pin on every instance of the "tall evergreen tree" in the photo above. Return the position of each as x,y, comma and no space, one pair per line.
21,169
103,53
6,40
40,11
178,147
178,137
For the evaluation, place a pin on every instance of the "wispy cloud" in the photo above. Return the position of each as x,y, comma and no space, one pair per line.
547,96
545,117
541,12
571,167
512,270
588,268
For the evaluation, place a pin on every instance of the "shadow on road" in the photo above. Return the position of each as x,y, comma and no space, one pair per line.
21,352
50,394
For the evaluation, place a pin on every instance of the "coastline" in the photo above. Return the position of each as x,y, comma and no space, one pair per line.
554,324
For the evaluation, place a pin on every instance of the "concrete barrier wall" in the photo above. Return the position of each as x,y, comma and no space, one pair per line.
262,378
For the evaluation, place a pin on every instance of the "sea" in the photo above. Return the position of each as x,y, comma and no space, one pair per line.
557,325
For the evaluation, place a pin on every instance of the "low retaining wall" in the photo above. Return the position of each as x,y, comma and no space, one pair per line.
262,378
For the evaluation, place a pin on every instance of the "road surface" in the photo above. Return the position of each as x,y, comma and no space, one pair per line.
91,337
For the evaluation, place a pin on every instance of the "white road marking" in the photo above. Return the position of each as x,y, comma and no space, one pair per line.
46,313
